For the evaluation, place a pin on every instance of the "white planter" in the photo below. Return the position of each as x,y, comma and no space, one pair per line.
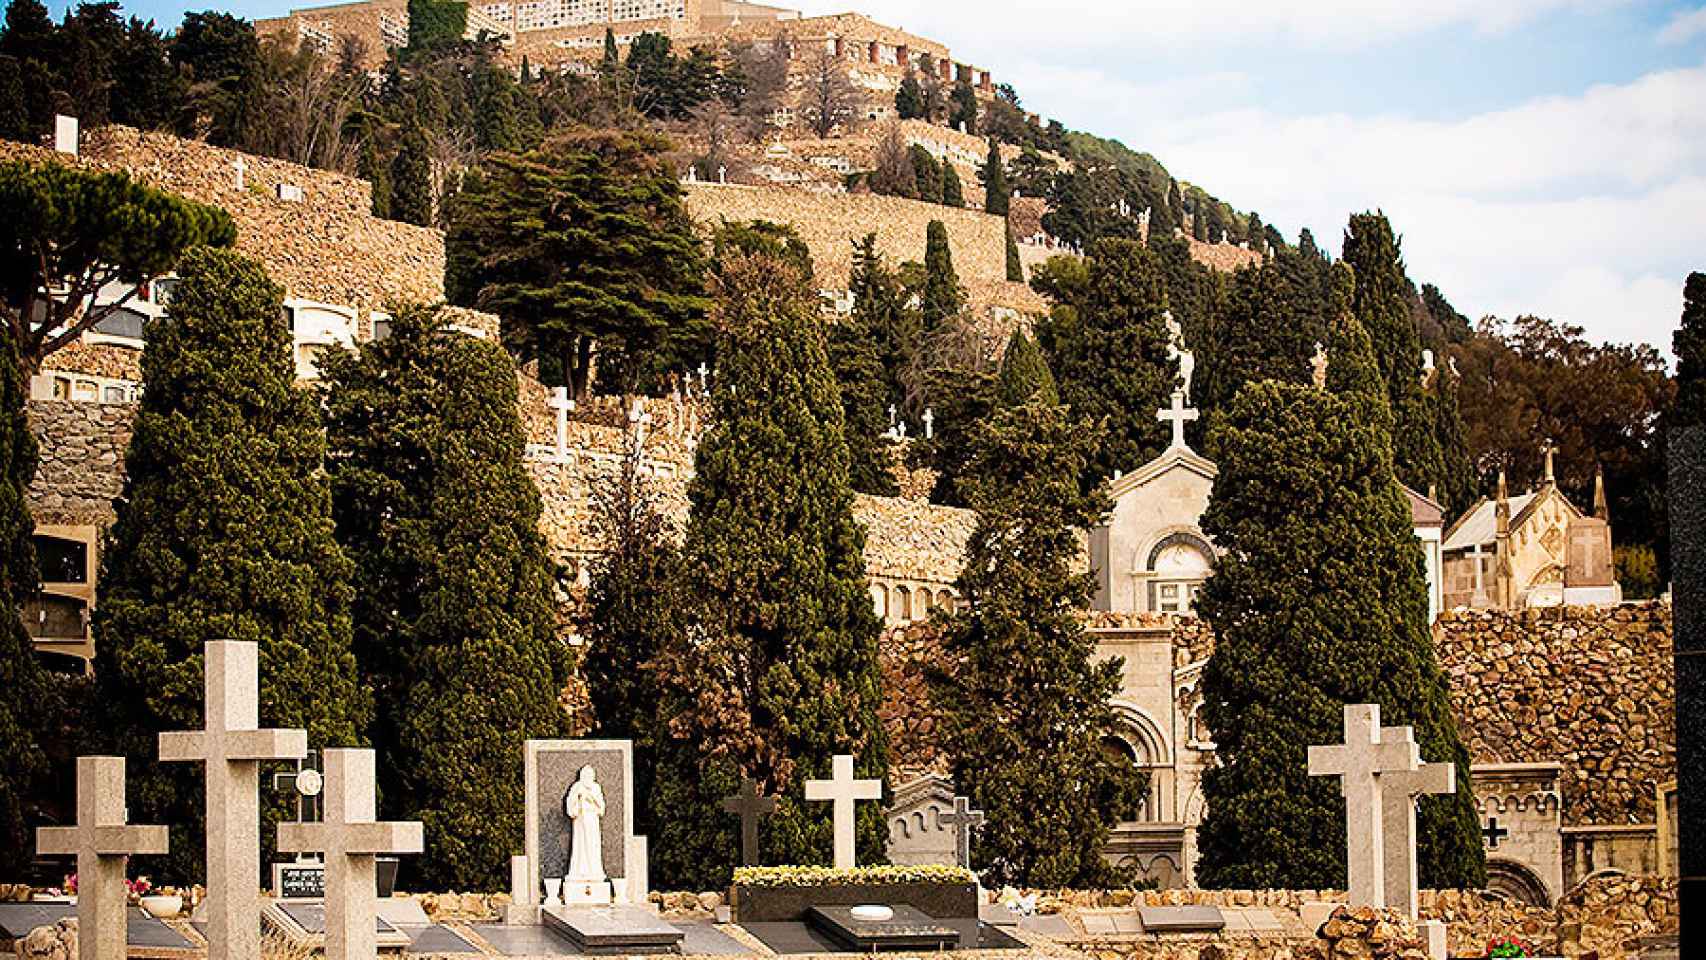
162,907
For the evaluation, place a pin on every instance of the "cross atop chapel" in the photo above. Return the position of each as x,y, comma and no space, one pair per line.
1179,415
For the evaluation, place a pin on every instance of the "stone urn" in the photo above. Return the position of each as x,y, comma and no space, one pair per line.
162,906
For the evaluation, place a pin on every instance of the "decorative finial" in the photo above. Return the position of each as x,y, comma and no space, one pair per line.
1550,448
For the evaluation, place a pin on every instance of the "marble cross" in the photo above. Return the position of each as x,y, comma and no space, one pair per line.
843,790
1359,763
101,840
562,406
232,748
241,167
929,423
962,820
750,806
1399,790
1179,414
350,841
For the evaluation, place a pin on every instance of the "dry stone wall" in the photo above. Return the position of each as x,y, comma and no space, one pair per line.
81,467
1592,687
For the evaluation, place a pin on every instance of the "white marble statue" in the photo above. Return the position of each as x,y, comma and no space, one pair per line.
1176,351
585,806
1318,365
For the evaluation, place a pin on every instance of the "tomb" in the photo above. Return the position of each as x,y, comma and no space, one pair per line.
904,928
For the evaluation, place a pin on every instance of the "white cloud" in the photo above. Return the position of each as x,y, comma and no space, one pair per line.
1684,26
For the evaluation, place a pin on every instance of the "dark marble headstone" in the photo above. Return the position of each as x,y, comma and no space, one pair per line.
141,930
908,929
553,766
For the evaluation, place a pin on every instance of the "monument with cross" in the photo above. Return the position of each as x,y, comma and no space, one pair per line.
101,841
1400,791
1178,415
350,840
750,806
843,790
232,747
962,820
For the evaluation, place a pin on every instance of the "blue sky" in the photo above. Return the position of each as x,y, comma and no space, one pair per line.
1538,156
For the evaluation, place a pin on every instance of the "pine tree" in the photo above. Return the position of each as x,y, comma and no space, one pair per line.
1318,600
782,670
1015,265
411,180
928,174
1118,312
953,193
998,195
453,615
1689,345
908,100
224,532
1382,306
942,296
1022,705
964,103
25,691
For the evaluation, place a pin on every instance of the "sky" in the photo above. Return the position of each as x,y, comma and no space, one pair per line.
1536,156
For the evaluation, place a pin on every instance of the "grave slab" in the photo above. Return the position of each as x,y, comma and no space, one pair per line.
1181,919
304,921
909,929
525,940
142,932
435,938
612,929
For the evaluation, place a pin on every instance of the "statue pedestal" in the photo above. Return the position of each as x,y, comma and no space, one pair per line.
586,891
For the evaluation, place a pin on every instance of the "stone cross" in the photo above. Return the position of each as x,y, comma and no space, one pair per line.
101,840
723,174
1179,415
349,839
929,423
704,384
305,781
562,406
750,806
232,748
1398,807
962,820
241,166
1359,763
843,790
1494,833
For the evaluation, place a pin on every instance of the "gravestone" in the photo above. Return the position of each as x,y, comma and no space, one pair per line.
963,819
551,767
843,790
102,842
1398,806
144,935
1359,763
750,806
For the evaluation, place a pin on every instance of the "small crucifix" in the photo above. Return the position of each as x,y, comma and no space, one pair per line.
750,805
1494,833
963,819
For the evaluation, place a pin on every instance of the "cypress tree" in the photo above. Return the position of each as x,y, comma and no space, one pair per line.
1023,707
1253,233
1274,315
964,102
953,192
909,99
1689,345
411,179
1024,374
880,310
782,671
1015,266
942,296
25,690
998,195
1382,306
1175,205
855,354
927,174
1119,311
453,615
1318,600
373,169
224,532
1457,489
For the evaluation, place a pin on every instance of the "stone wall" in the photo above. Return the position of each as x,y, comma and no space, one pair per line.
1592,687
81,467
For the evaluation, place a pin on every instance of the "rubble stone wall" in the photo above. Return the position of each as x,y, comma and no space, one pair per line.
81,468
1592,687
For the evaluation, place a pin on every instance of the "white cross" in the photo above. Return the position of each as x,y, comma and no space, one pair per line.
1179,414
929,423
101,841
562,406
723,174
232,748
1400,789
843,790
242,167
1359,762
350,840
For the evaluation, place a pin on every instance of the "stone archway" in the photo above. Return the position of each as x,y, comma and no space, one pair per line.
1515,882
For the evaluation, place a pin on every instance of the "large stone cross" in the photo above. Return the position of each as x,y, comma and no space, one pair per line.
1179,415
232,748
750,806
101,841
1399,790
349,839
1359,763
561,407
843,790
962,820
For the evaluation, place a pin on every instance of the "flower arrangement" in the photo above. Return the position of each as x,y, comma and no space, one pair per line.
70,885
1507,947
1024,905
813,876
138,888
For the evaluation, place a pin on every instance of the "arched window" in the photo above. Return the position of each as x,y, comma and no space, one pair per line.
880,600
1178,565
902,603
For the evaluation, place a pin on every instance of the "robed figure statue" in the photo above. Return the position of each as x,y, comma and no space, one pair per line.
585,806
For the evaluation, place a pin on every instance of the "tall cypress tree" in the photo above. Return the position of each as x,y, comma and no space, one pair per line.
1023,707
1382,306
1024,374
224,532
781,670
411,179
998,195
1275,313
1318,600
909,99
927,174
880,309
24,685
453,616
953,192
1015,265
942,297
1456,489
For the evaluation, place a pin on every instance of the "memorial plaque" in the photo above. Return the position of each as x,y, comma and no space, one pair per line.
299,881
1181,919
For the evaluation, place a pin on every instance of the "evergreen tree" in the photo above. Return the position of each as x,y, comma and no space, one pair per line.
964,104
611,59
1318,600
1457,488
153,90
1253,232
1274,315
223,57
1023,706
1689,345
781,672
908,100
453,615
953,193
928,174
942,296
412,198
435,24
1119,311
372,168
880,311
996,192
1015,266
224,532
1175,205
25,692
1024,375
1382,306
